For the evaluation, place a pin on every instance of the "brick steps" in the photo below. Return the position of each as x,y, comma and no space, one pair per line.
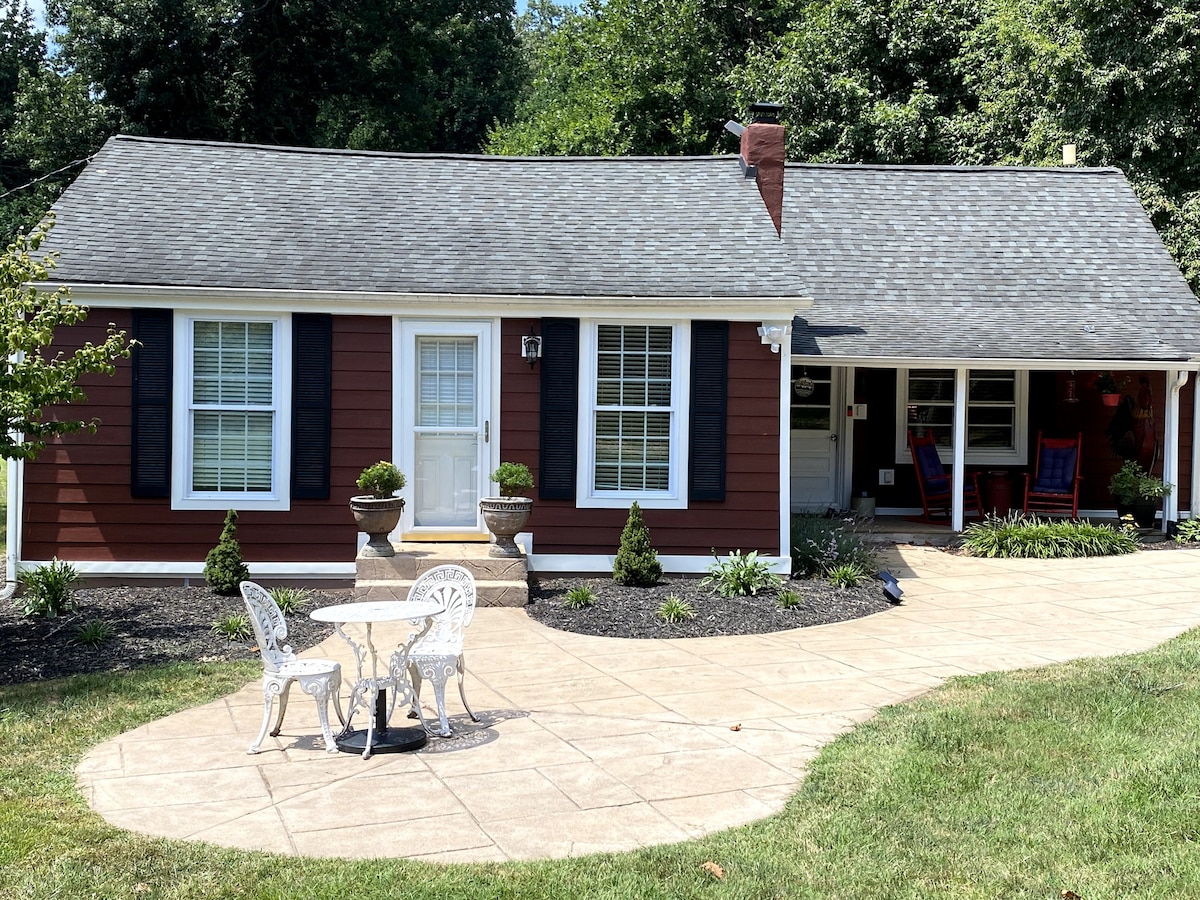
498,582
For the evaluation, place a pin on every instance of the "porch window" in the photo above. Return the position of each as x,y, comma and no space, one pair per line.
634,387
996,413
229,421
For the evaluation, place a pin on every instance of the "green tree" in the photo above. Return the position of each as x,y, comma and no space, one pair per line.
36,376
631,76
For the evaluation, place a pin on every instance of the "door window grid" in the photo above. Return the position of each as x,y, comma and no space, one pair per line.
811,411
446,379
633,415
232,407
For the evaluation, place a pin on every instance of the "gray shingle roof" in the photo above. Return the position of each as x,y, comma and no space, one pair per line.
962,263
223,215
926,262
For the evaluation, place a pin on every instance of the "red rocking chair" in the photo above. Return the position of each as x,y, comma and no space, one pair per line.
936,487
1054,485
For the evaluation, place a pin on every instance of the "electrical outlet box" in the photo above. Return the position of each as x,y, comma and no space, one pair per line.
887,476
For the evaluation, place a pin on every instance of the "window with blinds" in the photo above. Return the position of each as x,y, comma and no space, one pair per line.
233,407
633,415
996,400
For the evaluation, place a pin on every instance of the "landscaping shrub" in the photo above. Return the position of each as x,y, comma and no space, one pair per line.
741,575
579,597
847,575
223,567
1188,531
1021,537
47,589
674,609
820,545
637,562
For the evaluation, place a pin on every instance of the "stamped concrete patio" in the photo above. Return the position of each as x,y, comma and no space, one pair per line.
596,744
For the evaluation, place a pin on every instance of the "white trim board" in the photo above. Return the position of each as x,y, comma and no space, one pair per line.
193,569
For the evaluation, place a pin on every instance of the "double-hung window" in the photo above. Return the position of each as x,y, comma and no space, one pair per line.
633,386
996,413
230,425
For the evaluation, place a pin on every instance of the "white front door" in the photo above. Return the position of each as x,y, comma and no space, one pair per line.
444,389
816,429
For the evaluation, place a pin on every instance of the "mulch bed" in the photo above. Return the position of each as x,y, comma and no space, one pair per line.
155,625
631,612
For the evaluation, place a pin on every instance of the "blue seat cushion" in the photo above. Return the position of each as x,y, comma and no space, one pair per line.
1056,470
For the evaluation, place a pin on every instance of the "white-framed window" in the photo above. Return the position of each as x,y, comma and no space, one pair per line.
231,426
633,395
997,420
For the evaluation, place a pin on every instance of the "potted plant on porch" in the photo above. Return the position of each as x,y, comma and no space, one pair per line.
506,515
378,511
1109,388
1137,493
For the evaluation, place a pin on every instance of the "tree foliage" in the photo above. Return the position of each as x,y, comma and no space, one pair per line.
36,376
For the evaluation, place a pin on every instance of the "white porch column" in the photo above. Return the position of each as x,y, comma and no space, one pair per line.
1175,381
960,448
785,449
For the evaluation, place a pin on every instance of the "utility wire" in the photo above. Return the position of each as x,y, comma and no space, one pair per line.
70,165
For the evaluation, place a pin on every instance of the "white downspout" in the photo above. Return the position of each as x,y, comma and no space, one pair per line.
959,477
1171,449
16,472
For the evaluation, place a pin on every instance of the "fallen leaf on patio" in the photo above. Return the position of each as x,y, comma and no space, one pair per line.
737,727
1070,895
713,869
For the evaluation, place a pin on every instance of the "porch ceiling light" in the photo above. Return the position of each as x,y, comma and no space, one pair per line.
531,347
774,335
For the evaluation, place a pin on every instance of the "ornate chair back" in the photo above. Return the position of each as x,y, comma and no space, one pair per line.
453,588
270,628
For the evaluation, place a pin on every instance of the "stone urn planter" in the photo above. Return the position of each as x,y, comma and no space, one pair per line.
378,513
505,516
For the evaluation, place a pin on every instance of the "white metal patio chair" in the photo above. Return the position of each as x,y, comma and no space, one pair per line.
319,678
439,654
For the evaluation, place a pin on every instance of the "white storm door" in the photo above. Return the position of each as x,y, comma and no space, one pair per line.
816,430
445,424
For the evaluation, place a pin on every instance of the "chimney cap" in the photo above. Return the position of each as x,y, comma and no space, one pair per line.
762,111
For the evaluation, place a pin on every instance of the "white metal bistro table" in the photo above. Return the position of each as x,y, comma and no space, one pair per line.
370,691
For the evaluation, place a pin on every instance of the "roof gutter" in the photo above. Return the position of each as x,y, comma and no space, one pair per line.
141,296
1056,364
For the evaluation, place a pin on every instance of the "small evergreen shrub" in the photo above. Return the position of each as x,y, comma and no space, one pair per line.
234,627
789,599
381,480
223,567
1016,536
580,597
289,599
1188,531
847,575
674,609
741,575
513,478
820,545
93,633
637,562
47,589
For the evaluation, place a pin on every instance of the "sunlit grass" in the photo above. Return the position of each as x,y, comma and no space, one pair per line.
1081,777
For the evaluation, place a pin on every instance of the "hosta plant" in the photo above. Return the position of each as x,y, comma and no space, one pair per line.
740,575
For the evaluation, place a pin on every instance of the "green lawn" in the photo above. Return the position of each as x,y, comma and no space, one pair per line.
1081,777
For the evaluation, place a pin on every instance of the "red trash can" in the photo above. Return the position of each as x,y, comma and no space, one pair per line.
997,492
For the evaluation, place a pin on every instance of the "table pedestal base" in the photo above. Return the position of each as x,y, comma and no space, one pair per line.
391,740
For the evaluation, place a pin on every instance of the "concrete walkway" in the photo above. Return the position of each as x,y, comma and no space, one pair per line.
594,744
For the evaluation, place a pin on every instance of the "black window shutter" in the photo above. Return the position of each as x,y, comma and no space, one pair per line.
709,407
312,372
560,408
150,424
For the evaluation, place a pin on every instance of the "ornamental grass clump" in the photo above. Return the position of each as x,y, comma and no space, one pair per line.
579,597
223,567
675,609
821,544
1016,536
289,599
637,562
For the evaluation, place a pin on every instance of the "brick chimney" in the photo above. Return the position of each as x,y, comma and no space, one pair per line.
762,155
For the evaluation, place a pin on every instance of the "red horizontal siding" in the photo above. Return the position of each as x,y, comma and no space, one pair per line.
748,518
78,504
